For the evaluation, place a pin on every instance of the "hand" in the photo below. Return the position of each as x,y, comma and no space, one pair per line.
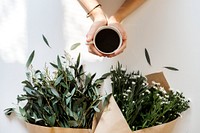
113,22
90,35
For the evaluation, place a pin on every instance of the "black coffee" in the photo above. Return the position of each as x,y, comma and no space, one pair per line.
107,40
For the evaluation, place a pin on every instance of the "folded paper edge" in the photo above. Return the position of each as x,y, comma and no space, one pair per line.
112,120
33,128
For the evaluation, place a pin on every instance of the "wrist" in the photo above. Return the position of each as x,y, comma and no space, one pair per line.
98,15
114,19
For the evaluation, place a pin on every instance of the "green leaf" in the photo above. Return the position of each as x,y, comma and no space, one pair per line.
75,116
105,99
54,65
45,40
54,91
30,59
58,80
78,60
22,111
171,68
88,79
38,71
73,123
9,111
69,112
96,109
68,100
104,76
74,46
38,120
40,102
52,120
21,98
27,84
28,91
59,63
147,57
73,91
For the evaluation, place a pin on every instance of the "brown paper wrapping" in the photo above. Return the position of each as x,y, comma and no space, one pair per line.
113,121
163,128
32,128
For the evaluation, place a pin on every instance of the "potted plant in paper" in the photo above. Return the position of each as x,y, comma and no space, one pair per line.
141,104
145,105
66,99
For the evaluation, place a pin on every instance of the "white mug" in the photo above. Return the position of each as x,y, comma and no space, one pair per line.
107,39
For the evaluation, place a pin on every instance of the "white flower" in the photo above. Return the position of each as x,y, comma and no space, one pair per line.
161,98
123,69
134,77
133,102
133,83
163,90
155,87
166,96
128,91
168,102
115,95
125,94
155,83
147,91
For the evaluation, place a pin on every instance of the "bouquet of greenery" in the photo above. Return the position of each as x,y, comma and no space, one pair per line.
145,105
67,97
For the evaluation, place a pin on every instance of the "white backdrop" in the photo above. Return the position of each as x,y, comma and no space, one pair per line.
169,29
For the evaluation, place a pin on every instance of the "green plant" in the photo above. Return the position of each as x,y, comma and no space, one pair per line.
67,97
143,105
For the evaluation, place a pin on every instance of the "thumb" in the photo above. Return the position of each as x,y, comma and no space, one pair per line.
89,37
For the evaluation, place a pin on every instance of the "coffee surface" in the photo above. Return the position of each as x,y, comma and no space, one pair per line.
107,40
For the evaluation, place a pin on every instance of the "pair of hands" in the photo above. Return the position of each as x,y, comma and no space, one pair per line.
97,24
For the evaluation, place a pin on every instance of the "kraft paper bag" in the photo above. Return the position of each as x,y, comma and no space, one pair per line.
163,128
113,121
32,128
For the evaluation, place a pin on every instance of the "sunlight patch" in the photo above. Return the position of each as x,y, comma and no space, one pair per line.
12,31
74,31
